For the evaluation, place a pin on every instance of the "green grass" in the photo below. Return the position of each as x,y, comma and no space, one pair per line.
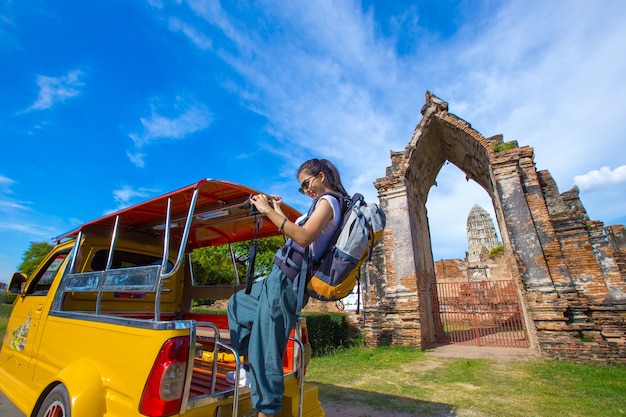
408,380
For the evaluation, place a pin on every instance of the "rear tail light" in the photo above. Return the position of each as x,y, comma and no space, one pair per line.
163,392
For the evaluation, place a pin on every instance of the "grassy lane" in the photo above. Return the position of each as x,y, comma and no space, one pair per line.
406,380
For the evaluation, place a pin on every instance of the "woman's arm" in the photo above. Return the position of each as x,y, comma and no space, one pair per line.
302,235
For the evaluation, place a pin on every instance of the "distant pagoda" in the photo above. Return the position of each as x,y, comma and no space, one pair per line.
481,234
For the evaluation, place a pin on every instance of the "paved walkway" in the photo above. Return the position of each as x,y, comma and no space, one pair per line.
484,352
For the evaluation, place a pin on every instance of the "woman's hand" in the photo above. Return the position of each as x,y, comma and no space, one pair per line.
276,201
263,204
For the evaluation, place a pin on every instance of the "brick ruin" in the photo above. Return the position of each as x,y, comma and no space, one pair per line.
571,271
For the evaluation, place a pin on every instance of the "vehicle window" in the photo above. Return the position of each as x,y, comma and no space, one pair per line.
42,282
123,259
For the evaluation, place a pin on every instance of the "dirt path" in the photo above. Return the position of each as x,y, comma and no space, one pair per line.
448,351
341,410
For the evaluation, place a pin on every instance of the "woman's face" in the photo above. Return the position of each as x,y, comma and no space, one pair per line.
311,184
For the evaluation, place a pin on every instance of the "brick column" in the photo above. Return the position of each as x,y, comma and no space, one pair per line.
392,313
547,309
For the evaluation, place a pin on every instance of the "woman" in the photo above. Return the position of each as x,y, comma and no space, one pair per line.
260,322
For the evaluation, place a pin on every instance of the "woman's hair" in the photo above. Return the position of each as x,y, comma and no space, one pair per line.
315,166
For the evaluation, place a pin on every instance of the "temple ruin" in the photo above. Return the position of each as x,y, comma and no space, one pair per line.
569,271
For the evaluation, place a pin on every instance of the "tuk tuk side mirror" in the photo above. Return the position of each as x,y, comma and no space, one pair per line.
17,284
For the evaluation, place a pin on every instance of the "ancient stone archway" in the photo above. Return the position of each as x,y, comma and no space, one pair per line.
571,277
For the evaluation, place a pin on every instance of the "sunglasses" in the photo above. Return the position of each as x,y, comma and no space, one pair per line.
305,184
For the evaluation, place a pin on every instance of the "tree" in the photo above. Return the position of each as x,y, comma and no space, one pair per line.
33,256
213,265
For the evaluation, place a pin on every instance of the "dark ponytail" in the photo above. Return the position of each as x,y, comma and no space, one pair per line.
315,166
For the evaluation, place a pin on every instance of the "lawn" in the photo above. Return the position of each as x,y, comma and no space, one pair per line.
411,381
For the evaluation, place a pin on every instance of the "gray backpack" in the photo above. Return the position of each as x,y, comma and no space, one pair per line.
336,273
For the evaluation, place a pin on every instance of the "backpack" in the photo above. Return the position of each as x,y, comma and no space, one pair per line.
335,274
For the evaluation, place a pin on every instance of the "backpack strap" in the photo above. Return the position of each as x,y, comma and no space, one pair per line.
299,284
345,203
252,251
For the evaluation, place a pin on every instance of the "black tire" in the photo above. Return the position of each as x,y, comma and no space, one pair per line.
56,403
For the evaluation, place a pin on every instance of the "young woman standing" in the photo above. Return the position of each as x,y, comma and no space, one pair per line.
260,322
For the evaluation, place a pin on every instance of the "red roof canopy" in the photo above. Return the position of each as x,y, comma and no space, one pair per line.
222,214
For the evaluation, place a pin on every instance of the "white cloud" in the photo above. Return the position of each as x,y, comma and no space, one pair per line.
31,229
136,158
5,184
7,204
18,216
193,118
213,13
127,193
127,196
190,32
602,178
10,205
156,3
54,90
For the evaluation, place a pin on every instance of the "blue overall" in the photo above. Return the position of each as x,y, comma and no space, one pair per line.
260,324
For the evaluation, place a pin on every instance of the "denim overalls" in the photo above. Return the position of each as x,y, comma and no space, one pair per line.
260,324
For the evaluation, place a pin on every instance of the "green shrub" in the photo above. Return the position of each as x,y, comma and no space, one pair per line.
496,250
329,332
500,147
207,310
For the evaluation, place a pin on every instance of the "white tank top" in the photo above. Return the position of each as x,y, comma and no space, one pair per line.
320,244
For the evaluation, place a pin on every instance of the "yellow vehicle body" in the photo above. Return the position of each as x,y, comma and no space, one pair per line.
92,337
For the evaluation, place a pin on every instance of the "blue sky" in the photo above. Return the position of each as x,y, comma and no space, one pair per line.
108,103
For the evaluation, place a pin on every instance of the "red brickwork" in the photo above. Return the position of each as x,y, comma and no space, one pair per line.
459,270
451,270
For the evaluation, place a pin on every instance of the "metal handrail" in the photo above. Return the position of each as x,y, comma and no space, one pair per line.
183,240
300,372
181,250
216,330
74,253
166,238
109,263
237,369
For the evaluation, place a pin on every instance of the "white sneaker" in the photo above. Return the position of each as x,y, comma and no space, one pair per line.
244,377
